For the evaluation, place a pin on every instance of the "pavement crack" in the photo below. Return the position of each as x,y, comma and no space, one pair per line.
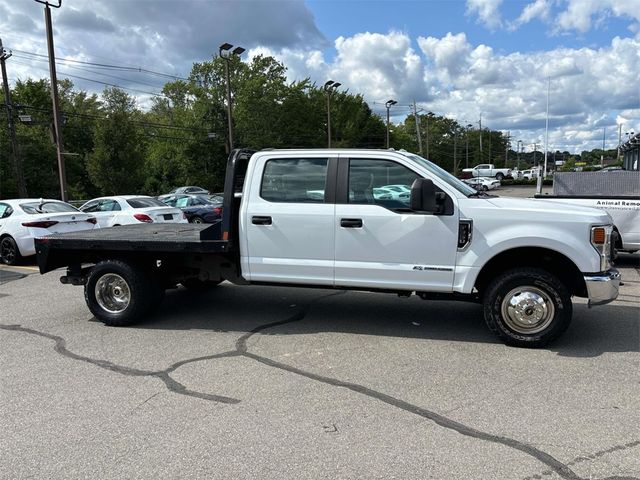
60,347
592,456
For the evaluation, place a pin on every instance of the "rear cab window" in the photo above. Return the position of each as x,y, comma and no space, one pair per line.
294,180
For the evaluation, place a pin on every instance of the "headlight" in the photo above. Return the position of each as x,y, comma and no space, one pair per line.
601,241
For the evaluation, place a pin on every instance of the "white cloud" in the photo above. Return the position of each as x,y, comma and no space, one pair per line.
538,9
579,14
488,12
452,77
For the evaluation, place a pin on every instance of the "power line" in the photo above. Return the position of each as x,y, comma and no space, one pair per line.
84,69
67,74
106,65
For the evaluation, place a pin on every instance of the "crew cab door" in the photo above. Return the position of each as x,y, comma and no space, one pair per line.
380,242
287,216
484,170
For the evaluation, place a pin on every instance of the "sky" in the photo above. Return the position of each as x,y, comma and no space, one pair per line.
494,60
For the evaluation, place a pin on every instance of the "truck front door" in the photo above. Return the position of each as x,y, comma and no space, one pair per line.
288,221
380,242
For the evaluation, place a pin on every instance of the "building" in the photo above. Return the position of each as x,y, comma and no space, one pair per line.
631,153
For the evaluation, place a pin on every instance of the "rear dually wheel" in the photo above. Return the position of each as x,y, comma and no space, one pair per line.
119,293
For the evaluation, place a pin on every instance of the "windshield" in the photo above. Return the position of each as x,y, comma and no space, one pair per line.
47,207
442,174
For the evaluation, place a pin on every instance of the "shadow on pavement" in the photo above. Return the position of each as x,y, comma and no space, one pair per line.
228,308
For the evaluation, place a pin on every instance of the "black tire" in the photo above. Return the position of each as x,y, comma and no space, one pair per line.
9,252
119,294
198,285
196,219
616,244
527,307
499,176
483,188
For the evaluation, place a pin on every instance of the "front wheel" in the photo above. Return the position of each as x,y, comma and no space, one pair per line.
118,293
499,176
527,307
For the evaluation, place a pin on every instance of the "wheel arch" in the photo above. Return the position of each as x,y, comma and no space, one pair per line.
547,259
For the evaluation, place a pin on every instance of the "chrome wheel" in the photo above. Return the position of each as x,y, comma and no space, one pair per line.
196,220
112,293
527,310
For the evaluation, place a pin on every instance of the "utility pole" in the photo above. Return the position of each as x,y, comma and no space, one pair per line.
455,153
604,132
619,140
415,114
535,147
506,152
428,135
480,124
15,149
57,128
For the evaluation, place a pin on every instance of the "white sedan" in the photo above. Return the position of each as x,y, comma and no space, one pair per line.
482,183
131,209
23,220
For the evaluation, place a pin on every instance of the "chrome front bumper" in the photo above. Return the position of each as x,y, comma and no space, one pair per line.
602,287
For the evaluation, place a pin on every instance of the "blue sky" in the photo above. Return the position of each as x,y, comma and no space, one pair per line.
458,58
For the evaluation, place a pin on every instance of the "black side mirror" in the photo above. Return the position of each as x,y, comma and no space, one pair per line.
423,196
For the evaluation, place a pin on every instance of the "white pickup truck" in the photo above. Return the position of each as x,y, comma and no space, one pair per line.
488,170
521,259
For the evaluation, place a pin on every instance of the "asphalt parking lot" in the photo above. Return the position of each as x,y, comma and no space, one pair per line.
264,382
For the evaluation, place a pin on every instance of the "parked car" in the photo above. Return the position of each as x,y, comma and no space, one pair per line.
22,220
529,174
186,190
612,168
197,209
398,192
482,183
131,209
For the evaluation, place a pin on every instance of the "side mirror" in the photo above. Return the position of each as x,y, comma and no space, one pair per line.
423,196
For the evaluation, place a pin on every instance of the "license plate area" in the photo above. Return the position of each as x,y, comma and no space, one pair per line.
167,216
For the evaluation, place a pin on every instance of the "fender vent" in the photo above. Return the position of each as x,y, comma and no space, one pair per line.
465,234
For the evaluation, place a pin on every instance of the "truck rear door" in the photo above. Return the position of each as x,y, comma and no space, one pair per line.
287,218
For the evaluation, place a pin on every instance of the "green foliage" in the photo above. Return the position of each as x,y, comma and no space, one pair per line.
117,163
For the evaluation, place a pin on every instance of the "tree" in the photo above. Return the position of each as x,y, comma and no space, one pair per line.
117,162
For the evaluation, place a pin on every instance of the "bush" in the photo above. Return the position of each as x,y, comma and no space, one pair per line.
522,181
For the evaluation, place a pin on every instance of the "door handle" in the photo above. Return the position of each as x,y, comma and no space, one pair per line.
261,220
351,222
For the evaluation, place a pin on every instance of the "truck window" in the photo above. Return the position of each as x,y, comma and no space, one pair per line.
369,182
294,180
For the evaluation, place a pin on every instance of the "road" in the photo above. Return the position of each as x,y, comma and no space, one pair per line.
264,382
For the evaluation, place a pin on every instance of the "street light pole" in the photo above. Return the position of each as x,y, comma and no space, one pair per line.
329,87
389,104
226,47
